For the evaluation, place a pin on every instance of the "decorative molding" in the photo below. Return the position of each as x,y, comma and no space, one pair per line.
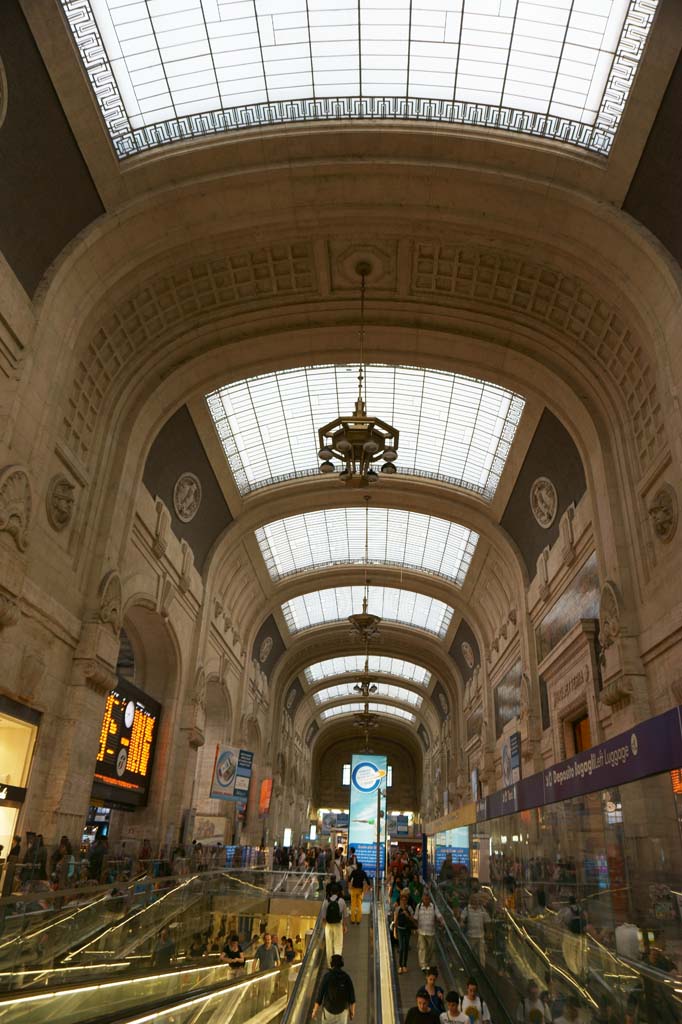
9,611
544,501
663,511
4,93
464,275
16,503
468,653
609,615
187,497
382,259
60,502
166,596
617,693
542,569
187,563
567,536
96,676
111,601
162,528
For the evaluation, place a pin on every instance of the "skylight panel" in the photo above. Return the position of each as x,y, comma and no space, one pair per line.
337,603
375,708
164,72
355,663
396,537
387,691
452,428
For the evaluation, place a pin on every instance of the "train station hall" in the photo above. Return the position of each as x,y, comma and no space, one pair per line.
340,472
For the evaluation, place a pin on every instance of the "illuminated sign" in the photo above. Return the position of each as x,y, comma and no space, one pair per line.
126,746
265,797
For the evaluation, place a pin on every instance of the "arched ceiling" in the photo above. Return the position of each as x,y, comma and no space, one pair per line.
558,71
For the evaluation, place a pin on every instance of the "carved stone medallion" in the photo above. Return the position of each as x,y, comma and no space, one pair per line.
609,615
60,502
186,497
3,93
15,504
468,653
663,512
264,650
544,501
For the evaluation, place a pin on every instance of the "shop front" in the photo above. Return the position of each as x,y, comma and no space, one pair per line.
18,732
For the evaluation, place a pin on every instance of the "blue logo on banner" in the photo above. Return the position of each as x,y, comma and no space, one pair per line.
367,777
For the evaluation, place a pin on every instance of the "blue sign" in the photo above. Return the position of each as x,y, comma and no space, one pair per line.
367,806
453,841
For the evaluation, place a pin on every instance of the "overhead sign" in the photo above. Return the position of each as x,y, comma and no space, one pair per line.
231,774
367,799
126,746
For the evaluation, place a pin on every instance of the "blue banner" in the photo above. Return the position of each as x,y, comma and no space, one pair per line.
231,774
367,799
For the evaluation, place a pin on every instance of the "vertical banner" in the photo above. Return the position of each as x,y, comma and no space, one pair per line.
231,774
367,796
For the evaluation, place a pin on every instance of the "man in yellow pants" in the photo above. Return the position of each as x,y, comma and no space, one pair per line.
358,883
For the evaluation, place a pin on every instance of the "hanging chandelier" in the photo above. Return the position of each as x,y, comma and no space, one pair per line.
366,684
366,721
364,625
358,441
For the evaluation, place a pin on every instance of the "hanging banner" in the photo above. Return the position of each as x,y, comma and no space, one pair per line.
231,774
265,797
367,797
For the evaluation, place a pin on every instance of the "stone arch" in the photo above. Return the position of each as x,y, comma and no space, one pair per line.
213,817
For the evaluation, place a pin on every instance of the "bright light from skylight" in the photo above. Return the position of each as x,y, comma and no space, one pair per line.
383,709
385,691
337,603
452,428
396,537
165,71
355,663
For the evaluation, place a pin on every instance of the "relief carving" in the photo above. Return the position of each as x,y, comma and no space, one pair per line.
468,653
162,529
9,611
187,497
60,502
664,513
264,650
15,504
543,502
111,601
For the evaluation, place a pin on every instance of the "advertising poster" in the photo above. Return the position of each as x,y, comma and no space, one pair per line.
454,841
231,774
265,797
367,778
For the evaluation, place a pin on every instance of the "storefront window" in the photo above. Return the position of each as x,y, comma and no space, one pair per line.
17,741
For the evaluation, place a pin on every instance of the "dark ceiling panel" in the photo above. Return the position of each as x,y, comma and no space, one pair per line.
177,450
464,650
48,194
552,454
654,195
268,647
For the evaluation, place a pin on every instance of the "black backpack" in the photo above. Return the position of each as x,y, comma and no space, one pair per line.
336,999
333,916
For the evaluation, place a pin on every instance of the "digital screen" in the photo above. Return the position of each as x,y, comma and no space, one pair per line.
126,746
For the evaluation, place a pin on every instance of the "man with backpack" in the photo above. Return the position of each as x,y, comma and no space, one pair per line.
427,917
336,995
335,916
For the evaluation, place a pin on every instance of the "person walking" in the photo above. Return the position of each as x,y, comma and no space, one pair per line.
164,949
474,920
427,917
335,917
358,884
336,996
267,954
422,1012
452,1013
473,1006
403,925
531,1009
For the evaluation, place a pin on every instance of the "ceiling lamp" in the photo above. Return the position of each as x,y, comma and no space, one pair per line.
358,441
364,625
367,721
366,685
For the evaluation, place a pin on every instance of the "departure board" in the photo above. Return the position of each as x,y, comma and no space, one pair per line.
126,747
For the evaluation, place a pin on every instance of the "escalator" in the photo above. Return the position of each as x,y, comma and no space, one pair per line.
574,969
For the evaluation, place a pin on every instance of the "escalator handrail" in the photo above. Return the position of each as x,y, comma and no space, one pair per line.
383,1010
457,940
306,965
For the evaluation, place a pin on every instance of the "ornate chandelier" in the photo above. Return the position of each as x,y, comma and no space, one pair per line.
366,721
366,684
358,441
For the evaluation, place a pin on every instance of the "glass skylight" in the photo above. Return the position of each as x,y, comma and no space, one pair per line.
337,603
452,428
396,537
383,709
355,663
385,691
166,70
